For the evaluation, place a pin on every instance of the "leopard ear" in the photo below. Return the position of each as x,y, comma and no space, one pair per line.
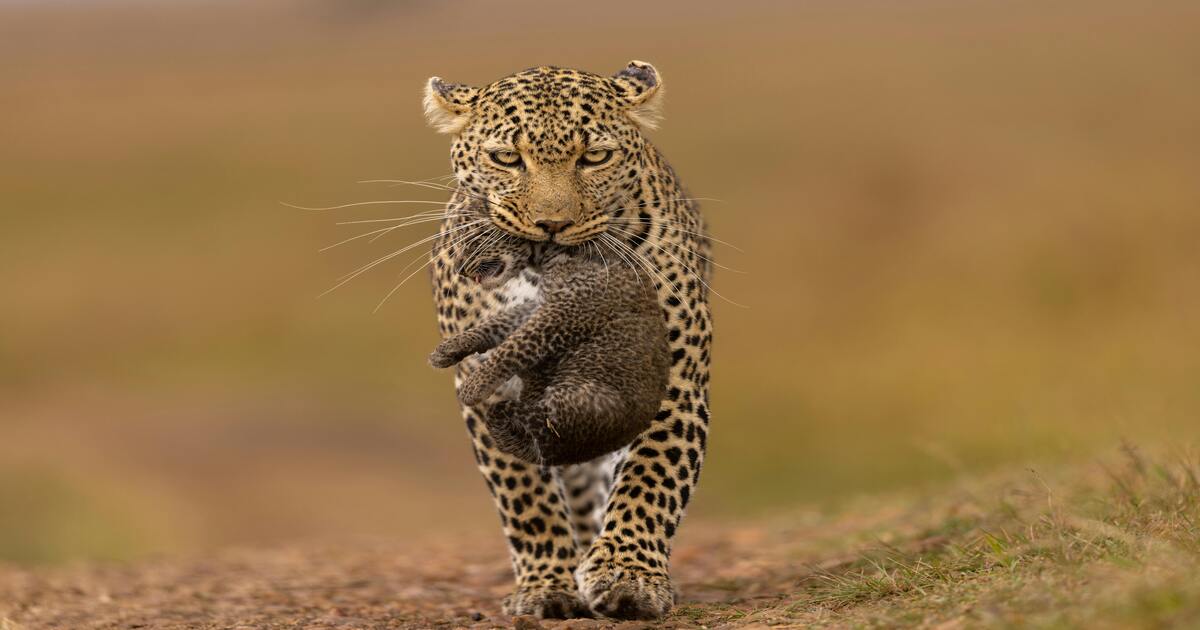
448,105
640,87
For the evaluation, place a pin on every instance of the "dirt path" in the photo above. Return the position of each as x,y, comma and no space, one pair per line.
1080,548
445,584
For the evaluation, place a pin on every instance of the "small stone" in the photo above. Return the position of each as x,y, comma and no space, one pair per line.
476,615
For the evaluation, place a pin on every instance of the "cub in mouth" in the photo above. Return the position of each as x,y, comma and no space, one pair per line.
592,353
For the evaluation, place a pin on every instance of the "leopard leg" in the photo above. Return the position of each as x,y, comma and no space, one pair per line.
585,489
624,572
536,523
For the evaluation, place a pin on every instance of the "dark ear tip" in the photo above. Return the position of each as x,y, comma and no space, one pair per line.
641,72
440,86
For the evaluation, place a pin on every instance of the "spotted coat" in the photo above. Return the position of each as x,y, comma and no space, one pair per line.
552,154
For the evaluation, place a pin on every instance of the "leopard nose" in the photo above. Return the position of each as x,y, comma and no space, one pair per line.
554,227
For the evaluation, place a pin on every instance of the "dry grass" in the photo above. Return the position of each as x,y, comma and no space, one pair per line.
1088,549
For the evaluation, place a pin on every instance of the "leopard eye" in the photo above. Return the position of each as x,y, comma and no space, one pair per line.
596,157
509,159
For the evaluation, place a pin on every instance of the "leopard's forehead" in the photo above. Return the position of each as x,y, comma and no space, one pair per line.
548,85
548,110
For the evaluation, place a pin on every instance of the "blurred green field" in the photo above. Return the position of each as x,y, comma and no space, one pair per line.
970,234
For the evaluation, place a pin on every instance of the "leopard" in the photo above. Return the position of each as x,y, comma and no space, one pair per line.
591,354
563,156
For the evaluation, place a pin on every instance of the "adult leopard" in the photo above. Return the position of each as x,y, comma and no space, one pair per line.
554,154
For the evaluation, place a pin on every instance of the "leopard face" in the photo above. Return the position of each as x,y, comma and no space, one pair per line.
554,153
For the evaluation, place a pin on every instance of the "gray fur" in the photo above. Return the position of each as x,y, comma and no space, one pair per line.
593,356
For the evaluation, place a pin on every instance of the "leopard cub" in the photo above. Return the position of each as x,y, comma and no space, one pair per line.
591,354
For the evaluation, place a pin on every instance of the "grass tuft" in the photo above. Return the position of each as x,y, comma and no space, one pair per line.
1113,546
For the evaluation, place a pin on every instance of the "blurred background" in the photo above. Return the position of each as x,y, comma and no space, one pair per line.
969,232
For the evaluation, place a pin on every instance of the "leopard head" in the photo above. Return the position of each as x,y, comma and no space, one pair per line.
553,152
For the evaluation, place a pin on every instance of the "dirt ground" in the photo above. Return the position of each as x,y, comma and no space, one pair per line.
1098,546
437,584
444,584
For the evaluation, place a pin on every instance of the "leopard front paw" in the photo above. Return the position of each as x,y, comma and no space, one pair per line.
624,591
546,602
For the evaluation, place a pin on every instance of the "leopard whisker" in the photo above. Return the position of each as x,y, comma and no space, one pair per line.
355,238
401,283
635,262
381,232
632,267
424,184
395,227
406,224
365,268
464,240
458,239
485,237
491,239
435,214
648,266
363,203
693,271
599,253
656,202
684,248
674,225
404,182
675,287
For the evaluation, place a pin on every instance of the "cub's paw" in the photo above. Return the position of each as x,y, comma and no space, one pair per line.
626,592
503,420
478,385
546,603
439,360
450,351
